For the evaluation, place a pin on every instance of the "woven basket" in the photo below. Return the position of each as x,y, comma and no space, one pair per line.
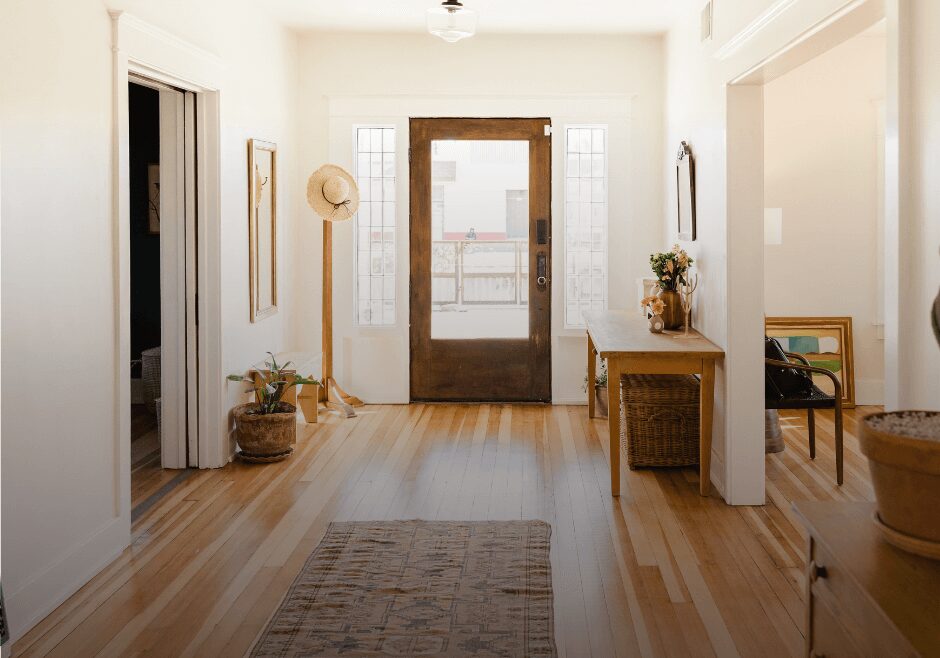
659,420
150,376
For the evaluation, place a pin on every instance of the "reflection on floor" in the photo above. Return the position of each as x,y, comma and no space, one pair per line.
659,571
149,480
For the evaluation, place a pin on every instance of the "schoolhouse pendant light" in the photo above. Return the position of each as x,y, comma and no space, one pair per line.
452,21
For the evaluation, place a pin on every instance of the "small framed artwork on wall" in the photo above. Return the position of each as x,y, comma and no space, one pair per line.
826,343
685,192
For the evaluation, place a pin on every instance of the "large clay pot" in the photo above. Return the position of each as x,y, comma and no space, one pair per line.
265,437
905,473
673,317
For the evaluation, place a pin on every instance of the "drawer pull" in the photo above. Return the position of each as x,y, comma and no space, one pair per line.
816,571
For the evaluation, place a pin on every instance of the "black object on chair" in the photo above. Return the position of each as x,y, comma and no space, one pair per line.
789,385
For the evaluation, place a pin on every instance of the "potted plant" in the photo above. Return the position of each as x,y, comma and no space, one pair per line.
671,269
600,389
266,428
903,450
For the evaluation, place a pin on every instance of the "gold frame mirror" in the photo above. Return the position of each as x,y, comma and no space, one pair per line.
685,192
262,228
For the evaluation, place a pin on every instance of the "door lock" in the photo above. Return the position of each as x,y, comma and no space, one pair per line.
541,270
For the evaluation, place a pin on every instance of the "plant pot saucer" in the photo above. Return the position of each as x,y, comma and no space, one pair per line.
907,543
264,459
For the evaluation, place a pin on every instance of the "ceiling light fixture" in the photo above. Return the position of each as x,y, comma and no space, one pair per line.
452,21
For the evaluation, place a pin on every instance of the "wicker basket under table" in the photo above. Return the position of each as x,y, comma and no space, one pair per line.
659,420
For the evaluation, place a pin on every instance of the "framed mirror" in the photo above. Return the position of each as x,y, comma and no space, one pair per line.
262,228
685,187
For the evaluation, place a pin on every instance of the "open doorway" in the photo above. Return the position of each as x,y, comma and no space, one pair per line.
162,280
824,236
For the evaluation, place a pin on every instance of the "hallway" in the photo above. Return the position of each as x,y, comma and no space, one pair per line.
659,572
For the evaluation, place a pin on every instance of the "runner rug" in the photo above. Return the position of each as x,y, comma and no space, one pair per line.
420,588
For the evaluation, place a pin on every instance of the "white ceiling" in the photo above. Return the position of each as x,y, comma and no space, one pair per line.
520,16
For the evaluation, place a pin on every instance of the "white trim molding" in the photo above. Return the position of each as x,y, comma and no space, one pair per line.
143,49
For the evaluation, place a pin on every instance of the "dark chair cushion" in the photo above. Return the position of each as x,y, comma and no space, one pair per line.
814,398
783,383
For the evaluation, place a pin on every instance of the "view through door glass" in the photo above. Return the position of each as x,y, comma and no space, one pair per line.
479,239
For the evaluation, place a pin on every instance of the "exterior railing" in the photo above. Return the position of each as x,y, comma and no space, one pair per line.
480,272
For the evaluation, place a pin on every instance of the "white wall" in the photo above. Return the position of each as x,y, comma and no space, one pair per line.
516,76
702,108
918,352
63,517
821,166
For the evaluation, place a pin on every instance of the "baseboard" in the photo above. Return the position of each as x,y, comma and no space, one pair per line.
577,402
46,591
869,391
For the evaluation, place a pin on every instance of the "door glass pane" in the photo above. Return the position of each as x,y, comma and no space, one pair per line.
479,239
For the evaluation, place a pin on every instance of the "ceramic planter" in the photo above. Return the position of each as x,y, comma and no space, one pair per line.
265,437
905,473
600,401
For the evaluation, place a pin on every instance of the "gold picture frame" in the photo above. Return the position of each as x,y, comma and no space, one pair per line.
826,342
262,228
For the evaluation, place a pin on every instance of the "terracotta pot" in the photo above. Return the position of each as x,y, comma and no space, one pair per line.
673,317
905,472
600,401
265,437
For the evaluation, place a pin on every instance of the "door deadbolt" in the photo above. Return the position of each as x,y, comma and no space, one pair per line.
541,270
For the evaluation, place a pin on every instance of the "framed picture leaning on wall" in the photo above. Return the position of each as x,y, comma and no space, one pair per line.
826,342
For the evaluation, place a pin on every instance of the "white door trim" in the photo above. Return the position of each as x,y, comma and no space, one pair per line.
142,49
767,53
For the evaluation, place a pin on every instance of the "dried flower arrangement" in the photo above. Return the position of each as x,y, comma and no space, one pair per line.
671,267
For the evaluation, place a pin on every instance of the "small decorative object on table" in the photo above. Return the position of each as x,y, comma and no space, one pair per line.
266,429
685,292
671,269
654,307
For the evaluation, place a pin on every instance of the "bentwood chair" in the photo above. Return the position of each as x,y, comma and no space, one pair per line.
783,391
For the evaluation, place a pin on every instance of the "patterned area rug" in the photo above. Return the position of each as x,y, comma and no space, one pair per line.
420,588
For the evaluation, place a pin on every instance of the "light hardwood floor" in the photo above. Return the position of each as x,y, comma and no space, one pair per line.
661,571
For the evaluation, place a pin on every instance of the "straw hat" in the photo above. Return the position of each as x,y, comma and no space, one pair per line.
332,193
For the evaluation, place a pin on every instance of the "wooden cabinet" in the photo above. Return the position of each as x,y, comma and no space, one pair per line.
863,596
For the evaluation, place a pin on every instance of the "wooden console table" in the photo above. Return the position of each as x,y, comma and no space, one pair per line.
624,340
865,597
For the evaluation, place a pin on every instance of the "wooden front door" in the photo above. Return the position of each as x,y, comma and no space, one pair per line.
480,259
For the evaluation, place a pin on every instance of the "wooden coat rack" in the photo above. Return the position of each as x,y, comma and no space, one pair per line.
331,394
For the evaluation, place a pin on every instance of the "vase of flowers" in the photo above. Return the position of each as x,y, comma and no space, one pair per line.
654,307
671,269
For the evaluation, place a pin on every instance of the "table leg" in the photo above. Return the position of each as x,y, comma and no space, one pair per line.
706,408
613,422
591,373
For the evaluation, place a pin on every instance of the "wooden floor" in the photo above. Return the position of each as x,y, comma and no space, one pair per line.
149,481
661,571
